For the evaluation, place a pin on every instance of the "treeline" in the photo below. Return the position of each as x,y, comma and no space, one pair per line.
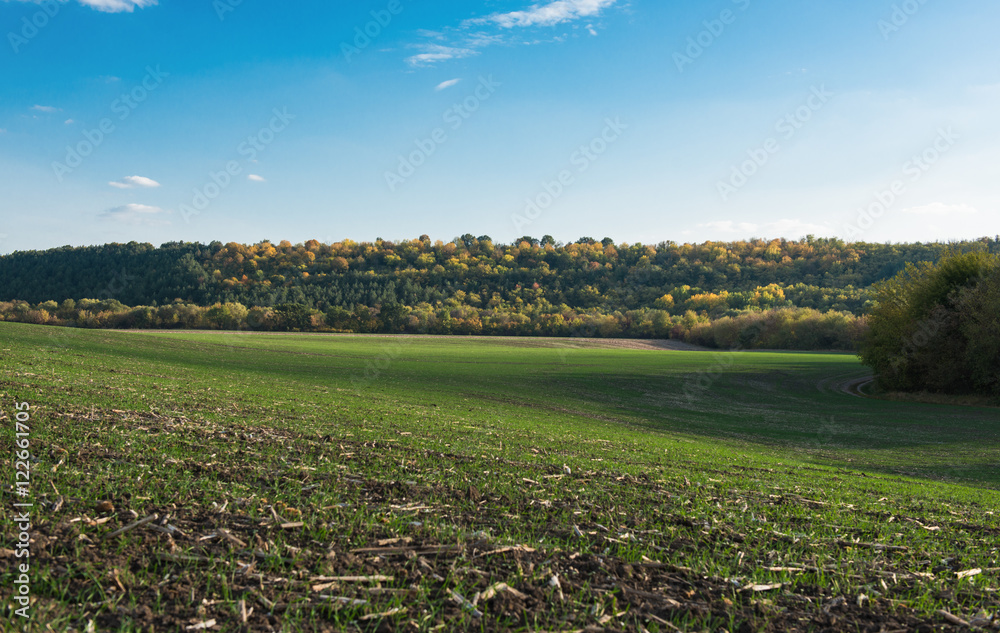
714,279
805,294
782,328
936,327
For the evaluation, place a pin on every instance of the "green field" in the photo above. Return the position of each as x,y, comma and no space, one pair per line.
665,490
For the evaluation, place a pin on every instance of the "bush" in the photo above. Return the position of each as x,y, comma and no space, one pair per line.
784,328
934,327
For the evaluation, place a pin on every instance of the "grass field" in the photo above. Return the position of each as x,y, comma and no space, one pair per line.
310,483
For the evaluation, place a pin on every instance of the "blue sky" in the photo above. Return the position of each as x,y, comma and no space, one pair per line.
641,120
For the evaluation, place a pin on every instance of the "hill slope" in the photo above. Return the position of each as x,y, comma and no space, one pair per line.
324,482
713,277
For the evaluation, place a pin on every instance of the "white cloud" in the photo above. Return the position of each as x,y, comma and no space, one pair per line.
940,208
256,178
110,6
482,40
135,214
433,53
547,14
69,121
444,85
131,182
474,34
46,109
115,6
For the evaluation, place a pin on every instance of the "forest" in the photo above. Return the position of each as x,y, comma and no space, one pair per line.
811,293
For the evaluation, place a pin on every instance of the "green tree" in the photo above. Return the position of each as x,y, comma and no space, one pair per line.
390,317
292,317
980,307
919,330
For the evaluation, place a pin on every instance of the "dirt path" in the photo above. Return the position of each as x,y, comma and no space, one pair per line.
850,384
856,387
630,343
535,341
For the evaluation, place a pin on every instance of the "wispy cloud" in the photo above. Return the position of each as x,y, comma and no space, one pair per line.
112,6
131,182
136,214
941,209
42,108
444,85
434,53
547,14
256,178
116,6
69,121
474,34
